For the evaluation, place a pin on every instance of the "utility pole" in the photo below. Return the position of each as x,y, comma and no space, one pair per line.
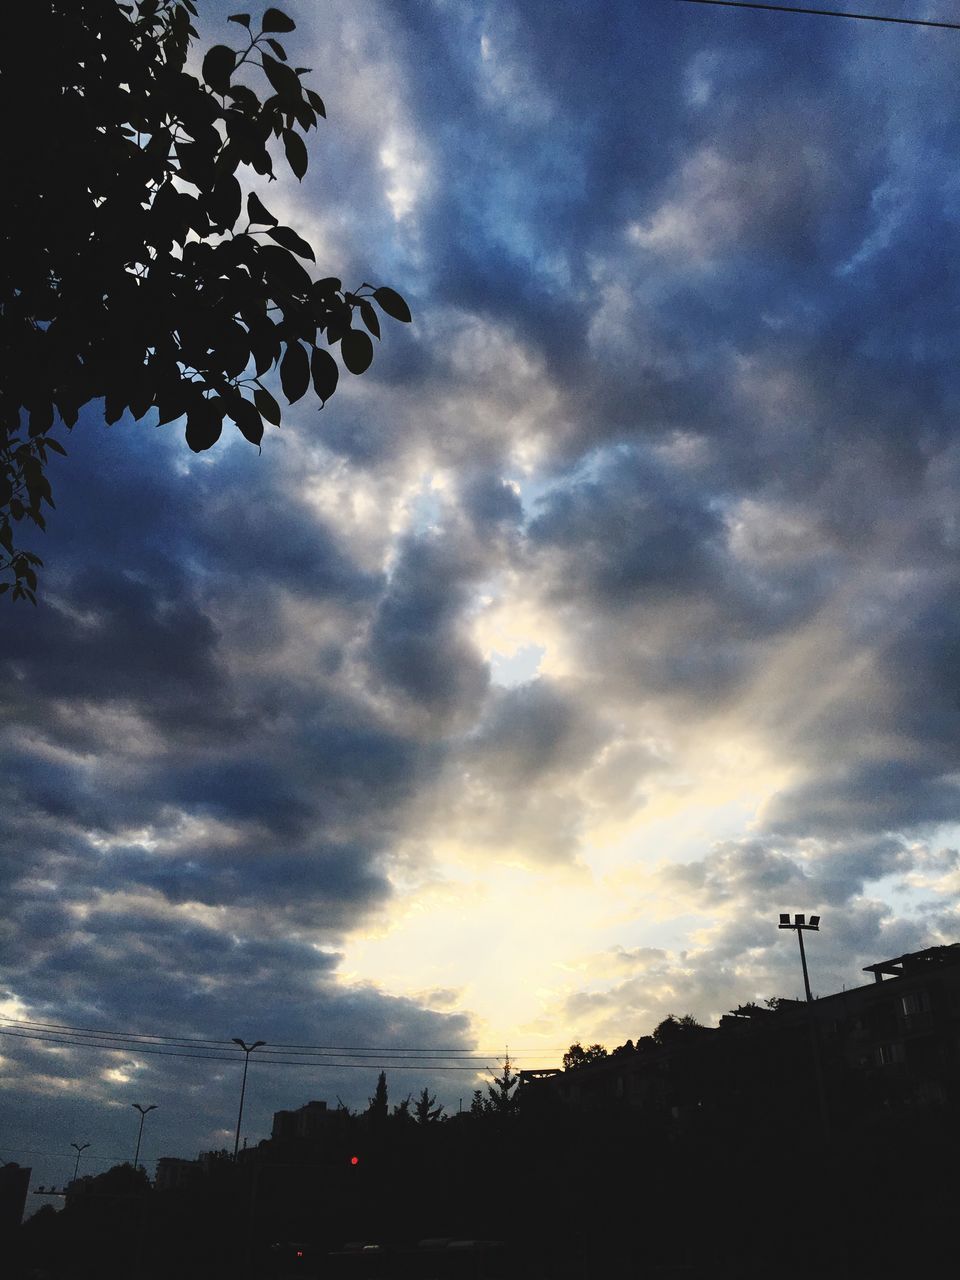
143,1112
247,1050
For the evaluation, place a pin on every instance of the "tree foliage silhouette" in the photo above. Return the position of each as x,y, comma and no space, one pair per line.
425,1108
578,1056
377,1108
133,266
673,1028
501,1096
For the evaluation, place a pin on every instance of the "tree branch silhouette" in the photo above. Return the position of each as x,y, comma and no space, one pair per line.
134,267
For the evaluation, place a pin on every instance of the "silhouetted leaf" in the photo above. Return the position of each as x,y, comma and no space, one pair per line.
316,102
369,317
295,371
204,424
264,343
281,264
325,288
285,81
242,18
171,407
223,201
357,350
41,418
232,350
259,215
113,408
337,320
391,302
278,49
296,152
268,407
218,65
245,99
290,240
246,417
326,373
68,411
274,20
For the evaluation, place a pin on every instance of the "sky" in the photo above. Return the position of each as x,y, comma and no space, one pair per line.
508,700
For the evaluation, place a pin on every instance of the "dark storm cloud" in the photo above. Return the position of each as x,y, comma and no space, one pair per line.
418,643
515,781
532,733
887,795
757,872
490,500
630,532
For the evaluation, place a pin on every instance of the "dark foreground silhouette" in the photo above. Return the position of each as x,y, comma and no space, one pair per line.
551,1194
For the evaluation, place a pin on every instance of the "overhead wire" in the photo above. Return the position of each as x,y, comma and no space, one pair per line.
263,1059
827,13
281,1054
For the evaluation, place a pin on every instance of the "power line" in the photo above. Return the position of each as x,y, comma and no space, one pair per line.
827,13
265,1061
58,1154
136,1039
382,1060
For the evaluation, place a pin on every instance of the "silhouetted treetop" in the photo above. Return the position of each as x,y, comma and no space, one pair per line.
377,1108
673,1028
578,1056
501,1096
134,266
425,1108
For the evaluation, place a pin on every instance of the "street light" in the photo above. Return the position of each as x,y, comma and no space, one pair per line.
247,1049
800,923
143,1111
82,1147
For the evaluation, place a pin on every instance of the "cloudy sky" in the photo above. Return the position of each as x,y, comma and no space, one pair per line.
613,611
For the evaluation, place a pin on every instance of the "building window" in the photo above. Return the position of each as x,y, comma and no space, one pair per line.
914,1004
889,1054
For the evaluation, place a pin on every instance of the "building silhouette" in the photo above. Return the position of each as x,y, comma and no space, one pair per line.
14,1185
891,1045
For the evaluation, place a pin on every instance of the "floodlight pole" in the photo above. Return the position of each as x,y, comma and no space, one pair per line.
799,924
803,961
247,1050
79,1150
143,1112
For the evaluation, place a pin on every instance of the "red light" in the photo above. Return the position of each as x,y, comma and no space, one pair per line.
299,1253
354,1159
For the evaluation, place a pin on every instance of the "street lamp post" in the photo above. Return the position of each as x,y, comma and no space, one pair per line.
79,1149
247,1050
799,924
143,1112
